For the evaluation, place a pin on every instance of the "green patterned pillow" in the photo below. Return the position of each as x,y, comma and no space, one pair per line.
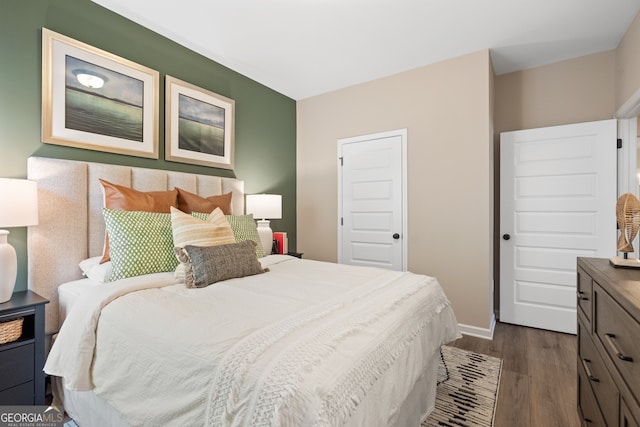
140,243
244,228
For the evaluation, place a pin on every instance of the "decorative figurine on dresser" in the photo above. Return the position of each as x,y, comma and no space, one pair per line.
22,349
628,220
608,343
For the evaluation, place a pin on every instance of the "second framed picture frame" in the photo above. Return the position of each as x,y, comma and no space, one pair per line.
199,125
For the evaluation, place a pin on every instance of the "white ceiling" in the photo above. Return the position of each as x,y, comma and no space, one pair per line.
303,48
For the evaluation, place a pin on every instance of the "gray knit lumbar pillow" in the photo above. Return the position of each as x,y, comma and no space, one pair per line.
211,264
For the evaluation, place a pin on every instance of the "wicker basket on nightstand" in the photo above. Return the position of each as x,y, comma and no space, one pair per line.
11,330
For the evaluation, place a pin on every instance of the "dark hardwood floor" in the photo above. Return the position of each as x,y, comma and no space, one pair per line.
538,383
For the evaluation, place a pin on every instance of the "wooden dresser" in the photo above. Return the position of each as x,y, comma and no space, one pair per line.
608,344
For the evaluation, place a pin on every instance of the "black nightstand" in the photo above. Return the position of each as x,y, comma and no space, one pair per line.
295,254
21,361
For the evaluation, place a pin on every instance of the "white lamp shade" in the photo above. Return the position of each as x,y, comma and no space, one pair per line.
18,203
264,206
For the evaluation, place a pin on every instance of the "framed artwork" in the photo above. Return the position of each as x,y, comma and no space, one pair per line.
199,125
95,100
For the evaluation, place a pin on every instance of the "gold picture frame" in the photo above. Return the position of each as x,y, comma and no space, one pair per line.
96,100
199,125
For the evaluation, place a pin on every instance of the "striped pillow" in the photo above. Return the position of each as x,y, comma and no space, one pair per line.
190,230
244,228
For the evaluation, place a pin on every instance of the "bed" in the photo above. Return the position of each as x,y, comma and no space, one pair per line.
299,343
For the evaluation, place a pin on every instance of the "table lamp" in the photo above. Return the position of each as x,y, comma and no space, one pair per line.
265,207
19,208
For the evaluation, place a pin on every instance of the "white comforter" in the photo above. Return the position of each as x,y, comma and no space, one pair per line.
304,344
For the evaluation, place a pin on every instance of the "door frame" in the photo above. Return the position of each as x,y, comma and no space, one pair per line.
402,133
627,116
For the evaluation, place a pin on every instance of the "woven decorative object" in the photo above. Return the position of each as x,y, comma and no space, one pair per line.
11,330
628,218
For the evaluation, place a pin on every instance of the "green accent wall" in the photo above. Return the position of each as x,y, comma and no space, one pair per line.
265,121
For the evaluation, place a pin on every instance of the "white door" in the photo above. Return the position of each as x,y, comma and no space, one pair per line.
557,203
372,200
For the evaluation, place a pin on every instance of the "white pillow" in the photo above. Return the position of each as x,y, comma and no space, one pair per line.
87,264
95,271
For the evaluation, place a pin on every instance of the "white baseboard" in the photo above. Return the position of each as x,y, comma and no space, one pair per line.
474,331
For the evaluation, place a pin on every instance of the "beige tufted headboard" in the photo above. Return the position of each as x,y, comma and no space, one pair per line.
71,226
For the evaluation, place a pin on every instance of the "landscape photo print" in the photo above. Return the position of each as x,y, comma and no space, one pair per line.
199,125
95,100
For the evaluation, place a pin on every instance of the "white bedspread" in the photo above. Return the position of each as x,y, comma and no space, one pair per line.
304,344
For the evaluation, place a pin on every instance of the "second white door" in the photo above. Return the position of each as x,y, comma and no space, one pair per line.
372,200
557,203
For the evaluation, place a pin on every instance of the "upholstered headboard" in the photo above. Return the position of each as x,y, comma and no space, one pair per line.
71,225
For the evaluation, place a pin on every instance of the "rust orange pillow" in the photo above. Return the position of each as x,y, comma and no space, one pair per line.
119,197
190,202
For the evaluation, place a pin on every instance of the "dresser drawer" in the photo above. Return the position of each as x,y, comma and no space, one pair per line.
626,417
604,388
589,411
16,365
618,332
584,294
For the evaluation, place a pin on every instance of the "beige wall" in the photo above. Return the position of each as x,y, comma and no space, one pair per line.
627,62
572,91
454,112
446,108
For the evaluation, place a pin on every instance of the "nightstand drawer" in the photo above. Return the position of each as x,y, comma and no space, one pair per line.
16,365
19,395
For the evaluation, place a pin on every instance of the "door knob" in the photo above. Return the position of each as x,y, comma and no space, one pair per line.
506,236
396,236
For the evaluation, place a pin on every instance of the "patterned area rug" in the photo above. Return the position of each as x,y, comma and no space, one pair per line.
467,389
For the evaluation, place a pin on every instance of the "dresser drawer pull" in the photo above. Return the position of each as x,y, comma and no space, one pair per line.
613,345
581,297
586,368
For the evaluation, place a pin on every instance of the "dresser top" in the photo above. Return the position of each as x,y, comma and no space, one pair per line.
623,284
